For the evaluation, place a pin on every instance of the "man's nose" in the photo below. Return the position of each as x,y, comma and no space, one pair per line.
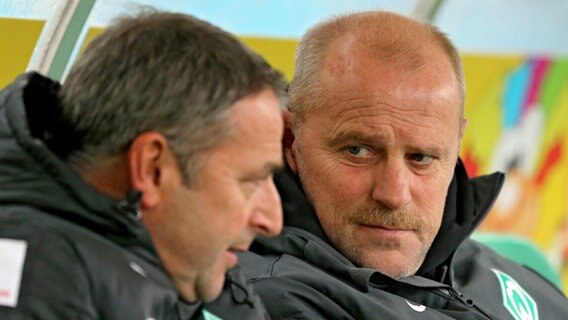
267,218
391,185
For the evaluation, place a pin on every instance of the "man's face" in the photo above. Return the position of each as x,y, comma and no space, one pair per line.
232,200
377,159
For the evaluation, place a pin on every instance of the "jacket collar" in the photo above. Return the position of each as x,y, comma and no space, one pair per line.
467,203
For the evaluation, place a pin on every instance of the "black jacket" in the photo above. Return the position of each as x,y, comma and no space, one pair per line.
88,256
301,276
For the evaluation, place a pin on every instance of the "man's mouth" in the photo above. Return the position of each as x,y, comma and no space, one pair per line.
386,231
392,228
231,258
231,255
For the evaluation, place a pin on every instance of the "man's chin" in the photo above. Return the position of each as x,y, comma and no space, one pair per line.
212,289
192,293
392,264
187,295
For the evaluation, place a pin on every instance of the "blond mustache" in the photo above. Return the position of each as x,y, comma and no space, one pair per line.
394,219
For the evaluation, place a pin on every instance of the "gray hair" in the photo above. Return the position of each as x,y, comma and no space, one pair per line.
165,72
385,34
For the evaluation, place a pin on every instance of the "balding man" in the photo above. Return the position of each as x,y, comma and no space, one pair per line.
378,207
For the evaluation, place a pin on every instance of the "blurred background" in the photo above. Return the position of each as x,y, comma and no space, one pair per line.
515,55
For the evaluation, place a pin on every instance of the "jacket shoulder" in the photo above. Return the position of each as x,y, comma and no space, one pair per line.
493,281
253,280
257,266
54,284
72,273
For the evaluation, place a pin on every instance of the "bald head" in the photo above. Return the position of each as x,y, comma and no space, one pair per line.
386,37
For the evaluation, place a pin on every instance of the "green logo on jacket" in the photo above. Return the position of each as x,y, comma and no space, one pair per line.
517,301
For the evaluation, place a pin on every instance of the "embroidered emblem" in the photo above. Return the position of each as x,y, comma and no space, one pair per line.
416,308
209,316
515,299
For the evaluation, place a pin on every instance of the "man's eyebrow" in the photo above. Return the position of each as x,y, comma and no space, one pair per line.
431,151
354,137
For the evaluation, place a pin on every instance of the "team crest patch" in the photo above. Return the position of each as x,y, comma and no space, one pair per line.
515,299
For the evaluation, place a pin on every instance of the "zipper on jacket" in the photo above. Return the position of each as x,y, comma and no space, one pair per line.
457,295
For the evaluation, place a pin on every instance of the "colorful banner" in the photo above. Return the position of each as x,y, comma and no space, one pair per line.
517,109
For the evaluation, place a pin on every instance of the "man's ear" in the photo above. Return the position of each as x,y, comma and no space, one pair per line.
288,141
147,156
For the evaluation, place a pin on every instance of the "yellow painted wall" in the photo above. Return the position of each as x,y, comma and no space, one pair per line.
278,52
18,38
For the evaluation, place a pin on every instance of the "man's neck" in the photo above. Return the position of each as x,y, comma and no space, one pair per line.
110,177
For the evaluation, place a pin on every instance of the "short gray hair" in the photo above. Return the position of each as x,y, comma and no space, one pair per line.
385,33
165,72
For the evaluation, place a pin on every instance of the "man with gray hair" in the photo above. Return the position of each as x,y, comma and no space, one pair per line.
378,208
127,192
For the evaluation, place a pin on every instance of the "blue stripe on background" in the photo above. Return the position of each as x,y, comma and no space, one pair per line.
516,87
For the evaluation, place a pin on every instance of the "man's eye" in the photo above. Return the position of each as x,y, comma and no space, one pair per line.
357,151
421,158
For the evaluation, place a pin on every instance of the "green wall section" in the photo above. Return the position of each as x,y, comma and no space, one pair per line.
70,37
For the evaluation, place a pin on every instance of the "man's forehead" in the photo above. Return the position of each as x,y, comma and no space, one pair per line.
382,86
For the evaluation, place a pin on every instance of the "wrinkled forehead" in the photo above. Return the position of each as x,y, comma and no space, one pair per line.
425,83
406,90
